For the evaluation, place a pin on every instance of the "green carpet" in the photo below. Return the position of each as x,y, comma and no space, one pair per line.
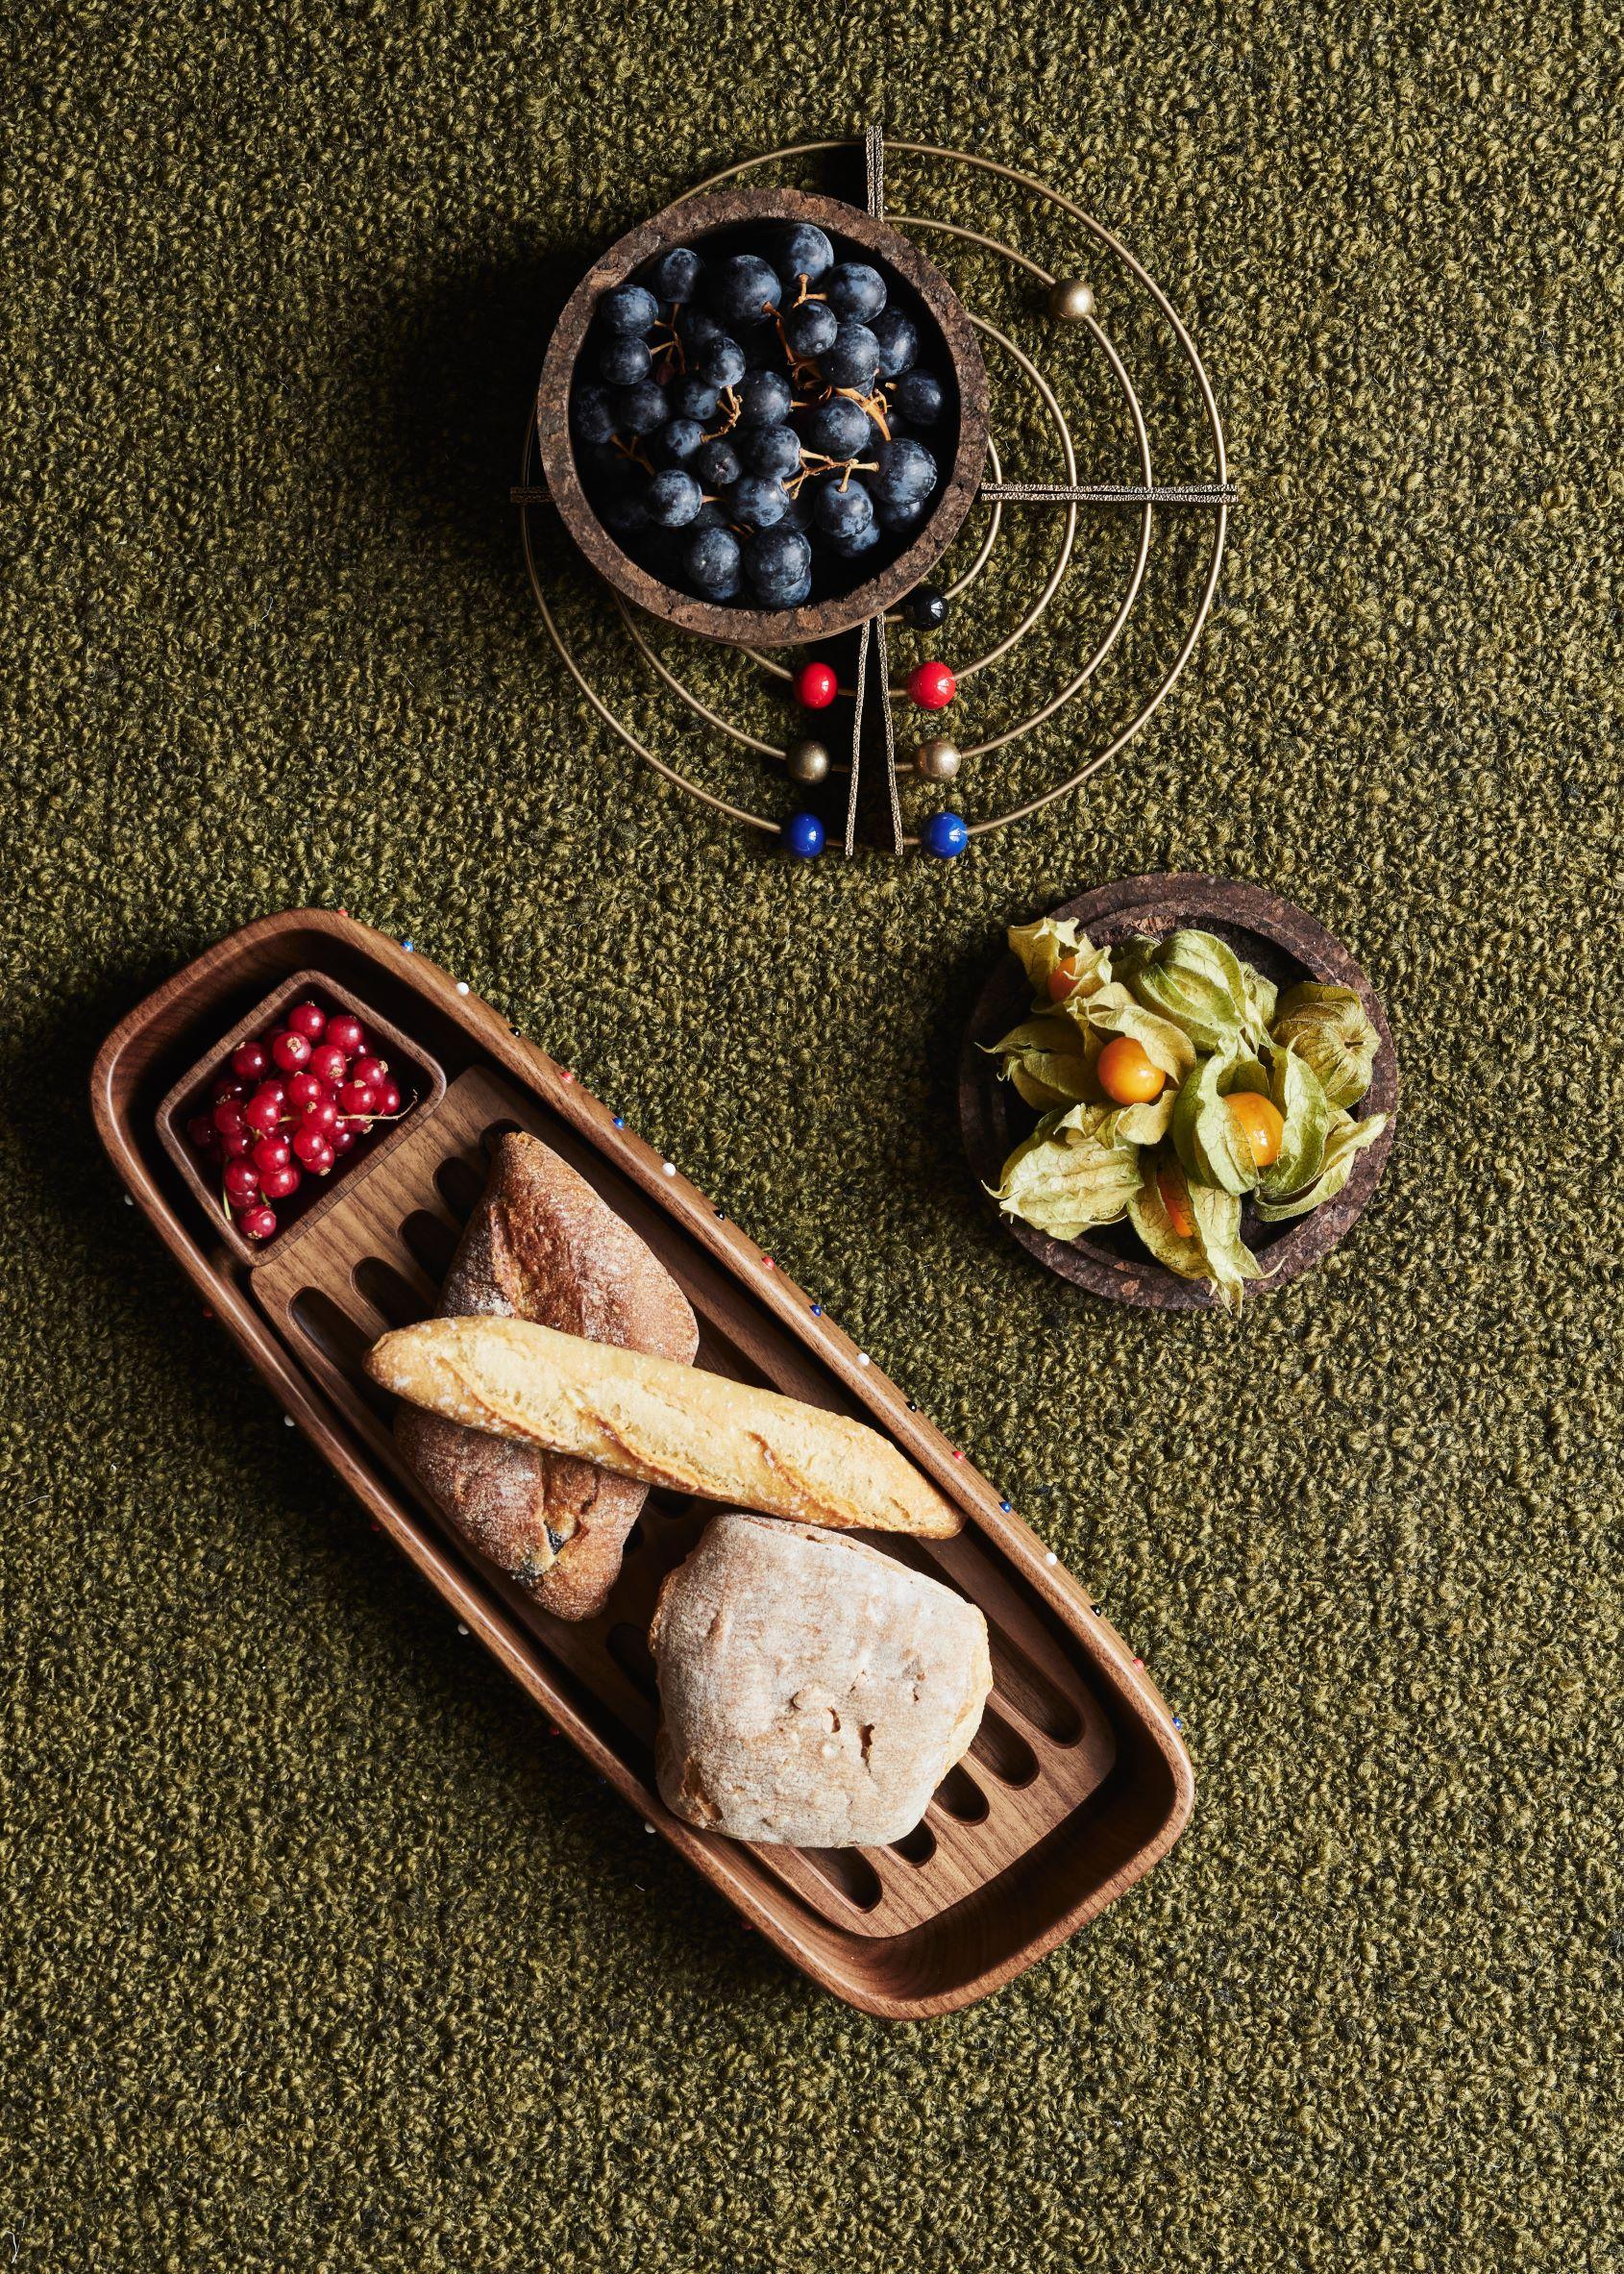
319,1953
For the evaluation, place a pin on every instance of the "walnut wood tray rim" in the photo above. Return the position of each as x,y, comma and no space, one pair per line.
796,1933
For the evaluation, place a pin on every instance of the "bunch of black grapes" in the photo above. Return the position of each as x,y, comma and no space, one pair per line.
751,421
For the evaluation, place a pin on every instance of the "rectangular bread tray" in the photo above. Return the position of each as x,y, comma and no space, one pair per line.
1077,1783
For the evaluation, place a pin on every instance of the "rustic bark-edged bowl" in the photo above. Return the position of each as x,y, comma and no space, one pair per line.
689,223
1286,945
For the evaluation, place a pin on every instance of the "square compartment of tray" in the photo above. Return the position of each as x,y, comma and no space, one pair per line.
415,1070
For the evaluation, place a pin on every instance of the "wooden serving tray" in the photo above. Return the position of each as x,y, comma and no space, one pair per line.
1077,1782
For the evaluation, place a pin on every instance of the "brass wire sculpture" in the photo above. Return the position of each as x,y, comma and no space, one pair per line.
1069,495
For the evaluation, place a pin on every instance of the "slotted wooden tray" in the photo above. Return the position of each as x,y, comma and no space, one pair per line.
1077,1782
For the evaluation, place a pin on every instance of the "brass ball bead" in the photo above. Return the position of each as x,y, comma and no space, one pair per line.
938,760
1072,300
806,761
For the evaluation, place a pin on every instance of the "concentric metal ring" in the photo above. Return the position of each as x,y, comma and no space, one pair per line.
1103,236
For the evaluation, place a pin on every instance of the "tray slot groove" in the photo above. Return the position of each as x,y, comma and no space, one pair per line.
459,1185
961,1796
916,1847
431,1240
1004,1751
389,1291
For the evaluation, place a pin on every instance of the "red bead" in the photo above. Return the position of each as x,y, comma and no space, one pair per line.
816,687
932,685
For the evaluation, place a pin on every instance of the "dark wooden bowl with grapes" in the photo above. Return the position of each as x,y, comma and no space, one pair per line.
763,416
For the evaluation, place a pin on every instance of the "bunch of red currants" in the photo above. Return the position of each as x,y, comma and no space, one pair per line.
295,1102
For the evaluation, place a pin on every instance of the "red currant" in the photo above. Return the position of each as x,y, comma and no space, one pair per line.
251,1060
375,1072
280,1184
233,1143
932,685
343,1138
302,1088
203,1133
227,1117
313,1150
346,1033
358,1100
241,1181
389,1098
291,1050
816,687
272,1152
226,1089
307,1019
256,1223
262,1113
328,1064
321,1114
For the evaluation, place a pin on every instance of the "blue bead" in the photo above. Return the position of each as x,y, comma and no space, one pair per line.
945,834
620,1121
803,836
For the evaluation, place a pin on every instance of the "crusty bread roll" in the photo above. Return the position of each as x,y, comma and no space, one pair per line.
811,1690
666,1424
541,1244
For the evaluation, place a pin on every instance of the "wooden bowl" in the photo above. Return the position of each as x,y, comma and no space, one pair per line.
1286,945
415,1069
1077,1782
689,223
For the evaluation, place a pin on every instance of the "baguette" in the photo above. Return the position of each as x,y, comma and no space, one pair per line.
662,1423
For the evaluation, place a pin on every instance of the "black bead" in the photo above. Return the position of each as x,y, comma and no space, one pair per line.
926,607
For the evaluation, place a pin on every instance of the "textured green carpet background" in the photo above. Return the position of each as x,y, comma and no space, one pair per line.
318,1952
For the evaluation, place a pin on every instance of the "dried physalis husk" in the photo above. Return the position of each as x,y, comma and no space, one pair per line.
1347,1141
1196,981
1049,1061
1065,1181
1307,1114
1043,946
1211,1147
1111,1010
1203,1240
1330,1029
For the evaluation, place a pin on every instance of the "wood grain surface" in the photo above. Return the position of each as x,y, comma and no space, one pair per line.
1077,1782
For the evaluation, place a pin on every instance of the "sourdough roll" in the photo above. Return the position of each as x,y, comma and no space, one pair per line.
541,1244
812,1691
665,1424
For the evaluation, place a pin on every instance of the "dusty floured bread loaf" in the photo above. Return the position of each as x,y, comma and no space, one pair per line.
541,1244
671,1426
811,1690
